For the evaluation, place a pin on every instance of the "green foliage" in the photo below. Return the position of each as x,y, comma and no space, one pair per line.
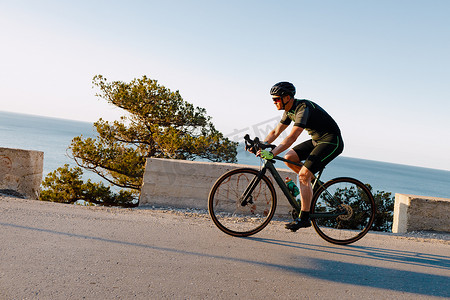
385,210
65,185
159,123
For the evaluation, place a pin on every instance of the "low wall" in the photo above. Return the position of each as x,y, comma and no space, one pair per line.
21,171
413,213
181,183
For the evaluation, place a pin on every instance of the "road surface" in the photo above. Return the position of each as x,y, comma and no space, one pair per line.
58,251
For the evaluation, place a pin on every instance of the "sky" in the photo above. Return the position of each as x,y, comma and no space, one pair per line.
381,68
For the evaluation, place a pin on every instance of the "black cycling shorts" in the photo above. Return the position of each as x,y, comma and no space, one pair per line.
317,154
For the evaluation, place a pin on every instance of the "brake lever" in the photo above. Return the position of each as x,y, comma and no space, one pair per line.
249,144
249,148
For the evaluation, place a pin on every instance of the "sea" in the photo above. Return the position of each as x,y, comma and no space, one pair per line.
53,136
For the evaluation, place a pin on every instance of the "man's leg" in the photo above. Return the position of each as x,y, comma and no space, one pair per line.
318,155
305,177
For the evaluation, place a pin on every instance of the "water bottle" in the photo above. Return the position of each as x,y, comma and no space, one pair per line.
293,189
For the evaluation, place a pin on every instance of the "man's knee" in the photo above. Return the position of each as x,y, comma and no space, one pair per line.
292,156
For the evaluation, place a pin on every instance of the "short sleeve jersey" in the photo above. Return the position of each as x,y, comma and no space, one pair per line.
310,116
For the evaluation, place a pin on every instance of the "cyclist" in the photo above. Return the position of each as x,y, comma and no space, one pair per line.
325,144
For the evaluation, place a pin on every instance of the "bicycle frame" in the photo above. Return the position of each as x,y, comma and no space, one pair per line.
269,165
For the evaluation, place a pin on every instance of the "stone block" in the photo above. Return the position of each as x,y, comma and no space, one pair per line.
186,184
415,213
21,171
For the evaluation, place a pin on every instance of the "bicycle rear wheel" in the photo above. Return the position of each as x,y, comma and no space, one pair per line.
348,210
227,210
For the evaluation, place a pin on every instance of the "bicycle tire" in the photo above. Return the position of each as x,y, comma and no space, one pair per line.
359,206
224,203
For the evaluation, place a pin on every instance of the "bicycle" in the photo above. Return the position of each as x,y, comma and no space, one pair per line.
242,202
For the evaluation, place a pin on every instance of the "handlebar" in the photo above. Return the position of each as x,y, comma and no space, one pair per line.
254,145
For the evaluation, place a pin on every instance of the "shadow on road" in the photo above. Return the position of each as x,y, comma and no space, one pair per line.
373,253
373,276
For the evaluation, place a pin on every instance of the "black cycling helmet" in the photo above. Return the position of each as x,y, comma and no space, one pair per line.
283,88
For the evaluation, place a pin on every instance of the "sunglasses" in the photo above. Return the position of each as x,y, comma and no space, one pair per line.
276,99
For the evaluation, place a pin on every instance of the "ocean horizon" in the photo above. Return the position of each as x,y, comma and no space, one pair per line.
53,136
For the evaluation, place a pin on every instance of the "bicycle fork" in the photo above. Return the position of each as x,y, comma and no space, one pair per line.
246,197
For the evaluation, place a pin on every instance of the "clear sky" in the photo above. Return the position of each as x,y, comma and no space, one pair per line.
381,68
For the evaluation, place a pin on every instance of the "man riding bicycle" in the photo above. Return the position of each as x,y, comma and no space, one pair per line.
325,144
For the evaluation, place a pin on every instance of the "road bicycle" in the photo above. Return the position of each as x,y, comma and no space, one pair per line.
242,201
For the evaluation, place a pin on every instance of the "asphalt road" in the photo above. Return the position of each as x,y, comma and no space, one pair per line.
57,251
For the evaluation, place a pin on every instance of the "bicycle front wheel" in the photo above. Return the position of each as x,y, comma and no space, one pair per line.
344,211
234,216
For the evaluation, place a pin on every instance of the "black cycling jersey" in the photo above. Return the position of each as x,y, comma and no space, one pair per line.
314,119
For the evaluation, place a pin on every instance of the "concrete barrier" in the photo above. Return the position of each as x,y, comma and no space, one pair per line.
186,184
414,213
21,171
